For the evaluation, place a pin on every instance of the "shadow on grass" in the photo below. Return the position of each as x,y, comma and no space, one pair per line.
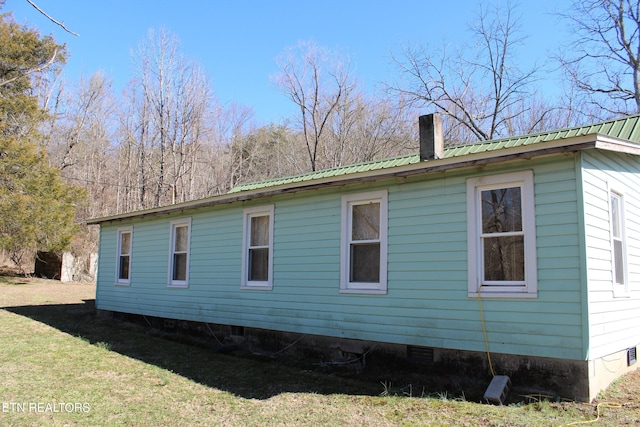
245,376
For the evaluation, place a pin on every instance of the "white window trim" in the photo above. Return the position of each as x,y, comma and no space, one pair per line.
172,234
619,289
119,281
348,200
524,180
247,214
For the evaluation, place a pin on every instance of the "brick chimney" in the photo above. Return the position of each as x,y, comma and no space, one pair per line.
431,141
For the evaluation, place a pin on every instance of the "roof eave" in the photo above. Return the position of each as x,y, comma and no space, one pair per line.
438,165
609,143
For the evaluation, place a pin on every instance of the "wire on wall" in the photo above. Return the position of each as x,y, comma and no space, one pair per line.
484,331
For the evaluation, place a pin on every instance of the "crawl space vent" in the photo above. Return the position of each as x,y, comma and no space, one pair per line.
422,355
237,331
631,356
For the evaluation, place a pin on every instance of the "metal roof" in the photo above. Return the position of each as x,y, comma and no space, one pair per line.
621,135
330,173
627,128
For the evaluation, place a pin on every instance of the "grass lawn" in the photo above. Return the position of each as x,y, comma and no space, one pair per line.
60,365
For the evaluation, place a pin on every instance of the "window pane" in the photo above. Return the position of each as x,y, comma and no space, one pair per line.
260,231
124,267
259,265
501,210
365,263
366,222
618,261
125,243
182,238
615,215
504,258
180,266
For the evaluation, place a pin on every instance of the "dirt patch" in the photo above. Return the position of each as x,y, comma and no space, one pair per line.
18,290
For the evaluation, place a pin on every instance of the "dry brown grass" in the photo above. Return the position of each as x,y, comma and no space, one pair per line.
41,291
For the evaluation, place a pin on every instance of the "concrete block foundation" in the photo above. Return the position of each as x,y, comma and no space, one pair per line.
456,371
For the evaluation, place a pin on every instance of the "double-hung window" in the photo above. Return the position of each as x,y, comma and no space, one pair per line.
502,235
257,251
618,247
123,269
364,243
179,253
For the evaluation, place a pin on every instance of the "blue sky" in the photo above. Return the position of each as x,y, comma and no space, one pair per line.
237,41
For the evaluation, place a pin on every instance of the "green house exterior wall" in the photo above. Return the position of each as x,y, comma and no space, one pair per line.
427,302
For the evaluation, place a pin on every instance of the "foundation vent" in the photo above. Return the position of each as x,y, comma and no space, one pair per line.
631,356
421,355
237,331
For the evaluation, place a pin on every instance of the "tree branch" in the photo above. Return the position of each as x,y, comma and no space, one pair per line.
33,70
51,19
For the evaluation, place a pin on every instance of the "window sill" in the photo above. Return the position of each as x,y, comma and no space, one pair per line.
364,291
126,285
256,288
621,294
502,295
178,285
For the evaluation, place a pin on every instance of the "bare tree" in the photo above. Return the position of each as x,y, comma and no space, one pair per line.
366,128
81,146
479,88
79,139
172,100
264,153
134,153
316,81
603,59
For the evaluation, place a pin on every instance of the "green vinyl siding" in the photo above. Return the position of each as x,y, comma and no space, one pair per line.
612,319
427,301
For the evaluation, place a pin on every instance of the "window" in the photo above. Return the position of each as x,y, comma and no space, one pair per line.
123,273
257,251
618,247
364,243
502,240
179,253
